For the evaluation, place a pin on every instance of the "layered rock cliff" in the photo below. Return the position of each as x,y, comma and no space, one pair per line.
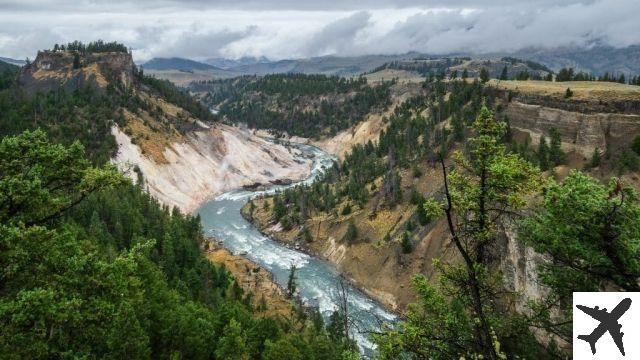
53,70
581,132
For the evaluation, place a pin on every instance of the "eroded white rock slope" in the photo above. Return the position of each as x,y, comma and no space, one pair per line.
209,163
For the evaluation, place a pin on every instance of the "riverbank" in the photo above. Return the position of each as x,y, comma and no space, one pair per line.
252,278
373,270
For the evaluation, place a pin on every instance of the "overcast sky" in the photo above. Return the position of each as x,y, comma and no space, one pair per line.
277,29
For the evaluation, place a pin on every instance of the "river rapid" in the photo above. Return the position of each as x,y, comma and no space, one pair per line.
317,280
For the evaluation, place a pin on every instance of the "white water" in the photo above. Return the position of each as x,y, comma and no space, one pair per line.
317,280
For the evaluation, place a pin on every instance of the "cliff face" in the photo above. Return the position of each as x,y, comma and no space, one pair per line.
55,70
580,132
209,162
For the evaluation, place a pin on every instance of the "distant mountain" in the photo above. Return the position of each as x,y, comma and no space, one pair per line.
329,65
226,64
176,63
596,60
12,61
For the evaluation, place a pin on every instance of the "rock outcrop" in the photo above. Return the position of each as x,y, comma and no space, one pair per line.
54,70
209,162
580,132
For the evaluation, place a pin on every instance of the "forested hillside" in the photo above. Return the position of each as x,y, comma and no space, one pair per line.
443,184
303,105
93,267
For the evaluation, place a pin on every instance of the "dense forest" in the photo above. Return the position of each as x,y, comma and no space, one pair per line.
304,105
93,267
489,181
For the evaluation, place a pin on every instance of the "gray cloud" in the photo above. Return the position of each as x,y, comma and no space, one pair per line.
337,37
287,28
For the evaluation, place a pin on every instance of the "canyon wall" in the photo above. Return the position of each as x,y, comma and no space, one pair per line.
581,132
209,162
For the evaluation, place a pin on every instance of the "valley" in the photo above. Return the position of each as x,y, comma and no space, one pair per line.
322,210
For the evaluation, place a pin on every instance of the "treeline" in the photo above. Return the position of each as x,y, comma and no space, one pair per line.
304,105
175,95
98,46
8,74
569,74
88,113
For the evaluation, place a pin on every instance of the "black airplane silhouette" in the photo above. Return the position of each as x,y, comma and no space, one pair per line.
608,322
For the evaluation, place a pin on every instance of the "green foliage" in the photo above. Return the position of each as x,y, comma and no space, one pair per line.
232,345
568,93
93,267
485,185
595,161
635,145
504,75
543,154
591,232
8,74
40,181
76,61
98,46
351,235
406,244
291,282
177,96
484,75
628,161
304,105
556,155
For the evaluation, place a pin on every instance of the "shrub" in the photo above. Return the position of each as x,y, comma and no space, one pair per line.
351,235
407,245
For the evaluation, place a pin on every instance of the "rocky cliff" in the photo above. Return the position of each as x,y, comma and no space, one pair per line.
581,132
53,70
207,162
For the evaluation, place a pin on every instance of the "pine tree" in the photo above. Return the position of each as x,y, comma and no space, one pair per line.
504,75
543,154
484,75
568,93
291,282
556,155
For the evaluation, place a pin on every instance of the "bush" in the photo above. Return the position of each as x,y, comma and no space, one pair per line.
628,161
568,93
635,146
595,159
351,235
346,210
407,245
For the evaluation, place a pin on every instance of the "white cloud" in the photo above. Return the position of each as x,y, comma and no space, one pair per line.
288,28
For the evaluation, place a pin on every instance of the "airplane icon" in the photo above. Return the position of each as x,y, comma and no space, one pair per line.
608,322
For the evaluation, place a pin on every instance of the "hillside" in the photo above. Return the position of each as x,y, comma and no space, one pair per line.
595,59
175,63
93,265
146,124
297,104
367,216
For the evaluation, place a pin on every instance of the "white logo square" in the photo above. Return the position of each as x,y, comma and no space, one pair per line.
606,325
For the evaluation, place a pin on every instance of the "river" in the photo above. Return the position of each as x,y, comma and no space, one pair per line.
317,280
